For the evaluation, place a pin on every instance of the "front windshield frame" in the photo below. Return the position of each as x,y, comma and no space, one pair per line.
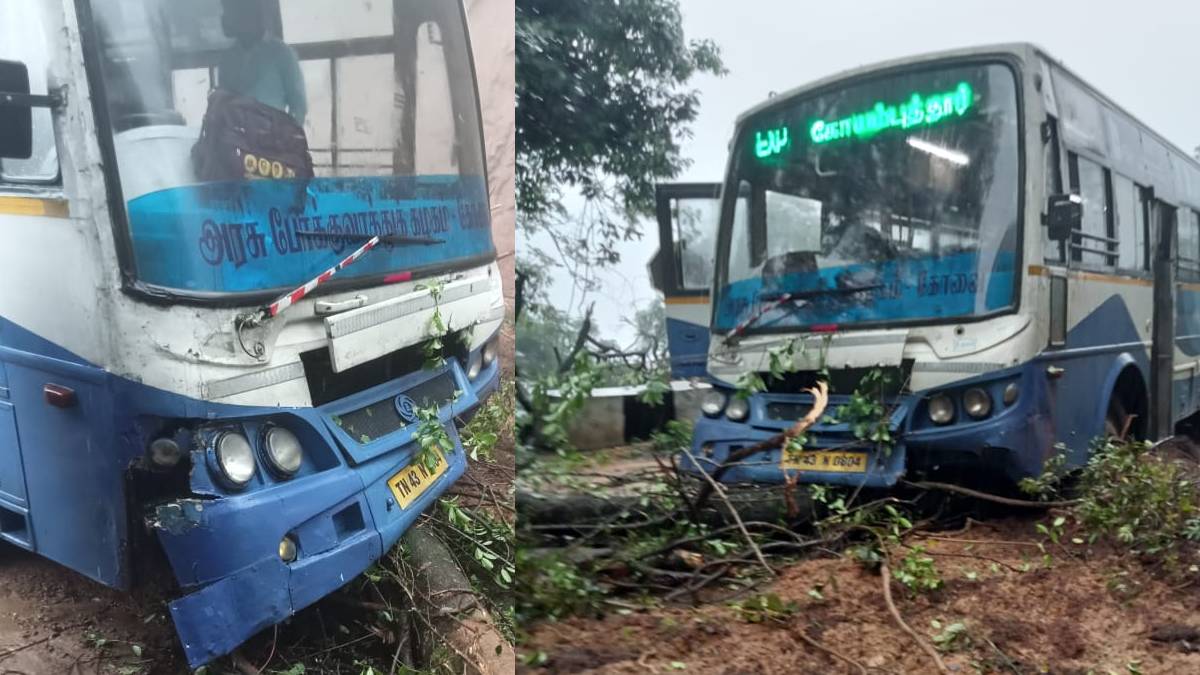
118,213
742,135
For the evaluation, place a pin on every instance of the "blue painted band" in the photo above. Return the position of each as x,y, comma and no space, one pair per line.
242,236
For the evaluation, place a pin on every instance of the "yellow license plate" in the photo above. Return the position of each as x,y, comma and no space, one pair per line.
413,480
827,461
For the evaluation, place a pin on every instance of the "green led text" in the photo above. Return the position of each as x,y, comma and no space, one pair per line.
771,142
916,111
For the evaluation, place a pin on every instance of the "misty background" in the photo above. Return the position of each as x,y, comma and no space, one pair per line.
1145,56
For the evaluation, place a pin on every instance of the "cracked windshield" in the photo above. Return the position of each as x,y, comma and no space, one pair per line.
892,200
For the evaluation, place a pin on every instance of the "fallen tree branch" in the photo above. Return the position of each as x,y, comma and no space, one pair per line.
1007,501
886,575
733,513
820,394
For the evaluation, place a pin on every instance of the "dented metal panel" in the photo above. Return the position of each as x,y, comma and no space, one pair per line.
368,333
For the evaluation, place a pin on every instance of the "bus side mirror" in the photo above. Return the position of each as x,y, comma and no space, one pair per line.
1064,214
16,115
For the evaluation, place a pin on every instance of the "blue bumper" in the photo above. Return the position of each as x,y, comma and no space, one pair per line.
1014,439
340,512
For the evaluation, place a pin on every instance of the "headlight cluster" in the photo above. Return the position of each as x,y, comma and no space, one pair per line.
715,402
281,453
737,409
976,403
235,458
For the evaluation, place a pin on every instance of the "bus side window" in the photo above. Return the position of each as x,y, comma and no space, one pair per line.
1131,226
22,39
1092,244
1188,256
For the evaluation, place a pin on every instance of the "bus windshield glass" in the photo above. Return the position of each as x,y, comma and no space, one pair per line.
892,200
258,142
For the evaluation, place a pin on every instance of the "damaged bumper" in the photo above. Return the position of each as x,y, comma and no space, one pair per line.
249,559
828,446
1014,437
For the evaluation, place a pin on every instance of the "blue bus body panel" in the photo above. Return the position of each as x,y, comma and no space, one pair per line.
687,344
1068,410
64,477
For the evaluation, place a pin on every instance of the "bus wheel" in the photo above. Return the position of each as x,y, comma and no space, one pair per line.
1116,420
1126,417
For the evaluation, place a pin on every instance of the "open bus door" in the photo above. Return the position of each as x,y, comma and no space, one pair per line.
682,269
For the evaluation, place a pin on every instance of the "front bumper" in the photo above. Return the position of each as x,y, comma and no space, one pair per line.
1014,439
343,517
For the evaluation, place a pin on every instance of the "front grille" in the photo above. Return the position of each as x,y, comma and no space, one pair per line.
382,417
783,411
325,386
841,380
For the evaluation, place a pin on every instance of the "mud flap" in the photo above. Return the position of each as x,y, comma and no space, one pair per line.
216,619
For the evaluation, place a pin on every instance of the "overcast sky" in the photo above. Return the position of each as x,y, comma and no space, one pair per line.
1145,55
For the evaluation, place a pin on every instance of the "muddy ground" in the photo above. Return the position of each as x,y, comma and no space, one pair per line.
1084,610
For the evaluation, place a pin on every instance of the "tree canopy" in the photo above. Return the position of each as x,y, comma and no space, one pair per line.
603,104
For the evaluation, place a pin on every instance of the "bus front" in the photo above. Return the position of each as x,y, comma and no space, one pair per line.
309,303
870,237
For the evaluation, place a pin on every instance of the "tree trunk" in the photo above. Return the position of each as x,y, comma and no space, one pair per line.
458,619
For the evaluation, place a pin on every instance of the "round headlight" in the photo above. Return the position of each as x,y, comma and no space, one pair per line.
941,409
977,403
235,458
283,451
474,365
1011,392
490,350
738,409
713,403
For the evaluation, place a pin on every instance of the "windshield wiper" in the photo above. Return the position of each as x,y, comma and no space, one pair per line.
393,239
778,300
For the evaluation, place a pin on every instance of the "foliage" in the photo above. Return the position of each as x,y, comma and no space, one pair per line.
1045,486
781,360
952,637
492,541
866,413
764,608
550,415
1138,498
917,572
675,436
655,390
596,79
434,347
493,419
1053,531
431,438
549,586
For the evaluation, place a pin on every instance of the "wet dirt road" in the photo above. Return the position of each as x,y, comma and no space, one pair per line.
54,620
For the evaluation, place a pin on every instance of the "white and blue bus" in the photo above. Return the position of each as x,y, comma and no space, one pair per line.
244,246
1018,254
